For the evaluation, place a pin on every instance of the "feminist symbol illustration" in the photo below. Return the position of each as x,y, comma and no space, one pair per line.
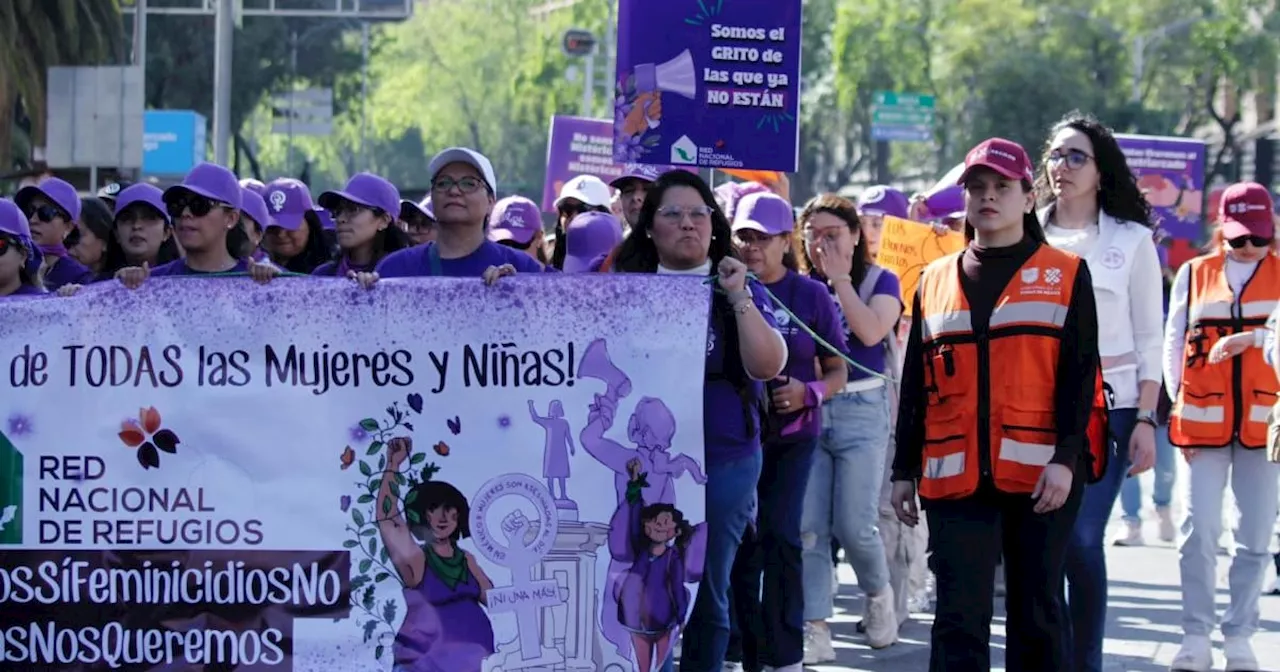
525,597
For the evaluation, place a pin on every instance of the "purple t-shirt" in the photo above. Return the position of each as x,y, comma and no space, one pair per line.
808,300
871,356
724,415
66,271
415,262
25,290
180,267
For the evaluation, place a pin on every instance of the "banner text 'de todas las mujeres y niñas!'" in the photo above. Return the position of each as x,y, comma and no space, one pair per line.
433,474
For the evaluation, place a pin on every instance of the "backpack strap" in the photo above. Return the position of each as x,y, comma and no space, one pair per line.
868,287
753,405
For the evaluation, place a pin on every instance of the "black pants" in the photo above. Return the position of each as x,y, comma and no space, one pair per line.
744,604
967,537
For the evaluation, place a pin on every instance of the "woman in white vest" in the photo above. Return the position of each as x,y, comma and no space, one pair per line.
1091,206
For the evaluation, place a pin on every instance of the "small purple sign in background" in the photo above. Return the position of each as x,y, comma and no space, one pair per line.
711,83
577,146
1170,174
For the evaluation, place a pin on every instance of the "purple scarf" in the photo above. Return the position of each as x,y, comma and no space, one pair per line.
56,251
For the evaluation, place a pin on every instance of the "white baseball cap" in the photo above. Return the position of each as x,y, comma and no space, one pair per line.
468,156
589,189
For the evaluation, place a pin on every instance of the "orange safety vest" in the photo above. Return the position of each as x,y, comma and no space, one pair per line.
1003,425
1229,401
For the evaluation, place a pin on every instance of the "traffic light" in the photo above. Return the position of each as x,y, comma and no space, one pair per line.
578,42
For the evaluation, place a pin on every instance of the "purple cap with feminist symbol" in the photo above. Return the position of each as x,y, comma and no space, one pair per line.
56,191
144,193
587,237
288,202
365,189
515,218
255,208
767,213
884,201
211,181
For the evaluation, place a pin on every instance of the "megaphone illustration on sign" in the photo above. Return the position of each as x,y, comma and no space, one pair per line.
676,76
596,364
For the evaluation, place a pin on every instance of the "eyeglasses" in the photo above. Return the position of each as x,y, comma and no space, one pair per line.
1258,241
6,243
829,234
467,185
198,205
1075,158
747,237
45,213
676,213
346,209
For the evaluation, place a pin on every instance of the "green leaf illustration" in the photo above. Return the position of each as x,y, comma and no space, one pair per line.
382,553
418,459
389,611
358,582
369,627
413,516
382,576
373,546
374,448
395,489
369,532
365,468
358,517
386,506
365,565
350,543
364,499
411,497
366,600
378,651
369,425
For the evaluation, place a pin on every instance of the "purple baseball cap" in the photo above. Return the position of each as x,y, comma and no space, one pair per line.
147,194
767,213
884,201
945,202
364,189
422,207
255,208
515,218
326,219
288,201
256,186
211,181
56,191
13,222
587,237
638,171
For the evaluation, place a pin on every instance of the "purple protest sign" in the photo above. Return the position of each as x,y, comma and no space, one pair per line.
711,83
577,146
1170,174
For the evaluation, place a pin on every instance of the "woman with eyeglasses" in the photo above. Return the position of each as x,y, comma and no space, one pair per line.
419,220
1091,206
584,193
463,189
295,237
52,208
1222,391
681,231
205,207
516,223
19,258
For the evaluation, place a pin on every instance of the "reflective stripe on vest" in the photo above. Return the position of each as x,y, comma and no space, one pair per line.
1218,404
1020,346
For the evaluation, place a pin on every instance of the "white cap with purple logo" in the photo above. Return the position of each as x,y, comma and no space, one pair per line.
587,189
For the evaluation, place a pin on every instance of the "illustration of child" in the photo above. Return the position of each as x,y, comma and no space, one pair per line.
445,626
665,552
557,448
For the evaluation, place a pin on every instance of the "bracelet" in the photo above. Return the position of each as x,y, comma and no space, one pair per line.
738,296
1150,422
742,307
840,278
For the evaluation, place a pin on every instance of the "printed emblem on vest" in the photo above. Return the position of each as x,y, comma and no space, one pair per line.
1053,276
1030,275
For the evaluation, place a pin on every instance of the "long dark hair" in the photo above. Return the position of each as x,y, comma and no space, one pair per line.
432,496
638,254
684,531
96,216
317,251
845,210
386,241
1030,222
114,259
1118,193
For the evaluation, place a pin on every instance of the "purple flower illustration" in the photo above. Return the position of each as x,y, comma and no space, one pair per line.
627,148
504,421
415,402
345,502
358,434
20,425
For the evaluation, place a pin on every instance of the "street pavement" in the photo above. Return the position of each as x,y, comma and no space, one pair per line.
1143,615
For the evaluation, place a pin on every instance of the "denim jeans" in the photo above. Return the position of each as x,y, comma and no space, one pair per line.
843,496
731,491
770,617
1165,473
1254,485
1085,592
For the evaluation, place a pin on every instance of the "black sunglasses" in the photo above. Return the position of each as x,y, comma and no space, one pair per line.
6,243
1075,158
1258,241
198,205
46,213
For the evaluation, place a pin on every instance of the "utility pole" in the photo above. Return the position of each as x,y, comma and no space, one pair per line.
223,35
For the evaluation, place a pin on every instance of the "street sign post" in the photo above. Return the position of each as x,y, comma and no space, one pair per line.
902,117
306,112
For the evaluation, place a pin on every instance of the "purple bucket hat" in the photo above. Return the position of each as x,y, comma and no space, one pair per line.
587,237
288,201
884,201
364,189
211,181
142,193
422,207
255,208
767,213
515,218
56,191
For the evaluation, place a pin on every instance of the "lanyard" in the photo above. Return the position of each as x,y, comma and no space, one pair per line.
433,260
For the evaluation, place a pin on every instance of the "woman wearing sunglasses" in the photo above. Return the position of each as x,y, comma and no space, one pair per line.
1222,392
1091,206
205,207
18,255
52,208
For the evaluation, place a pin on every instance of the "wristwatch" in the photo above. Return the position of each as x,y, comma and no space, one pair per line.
1148,417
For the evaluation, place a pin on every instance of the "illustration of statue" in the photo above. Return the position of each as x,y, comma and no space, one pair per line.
557,448
651,428
445,626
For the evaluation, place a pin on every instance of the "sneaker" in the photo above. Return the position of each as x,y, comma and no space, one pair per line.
1240,657
1168,531
817,644
1196,655
730,666
882,622
1132,535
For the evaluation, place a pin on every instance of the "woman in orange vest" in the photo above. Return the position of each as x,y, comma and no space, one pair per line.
1222,391
999,388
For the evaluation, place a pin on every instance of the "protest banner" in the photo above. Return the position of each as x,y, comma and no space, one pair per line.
906,247
580,146
1170,173
708,83
322,478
